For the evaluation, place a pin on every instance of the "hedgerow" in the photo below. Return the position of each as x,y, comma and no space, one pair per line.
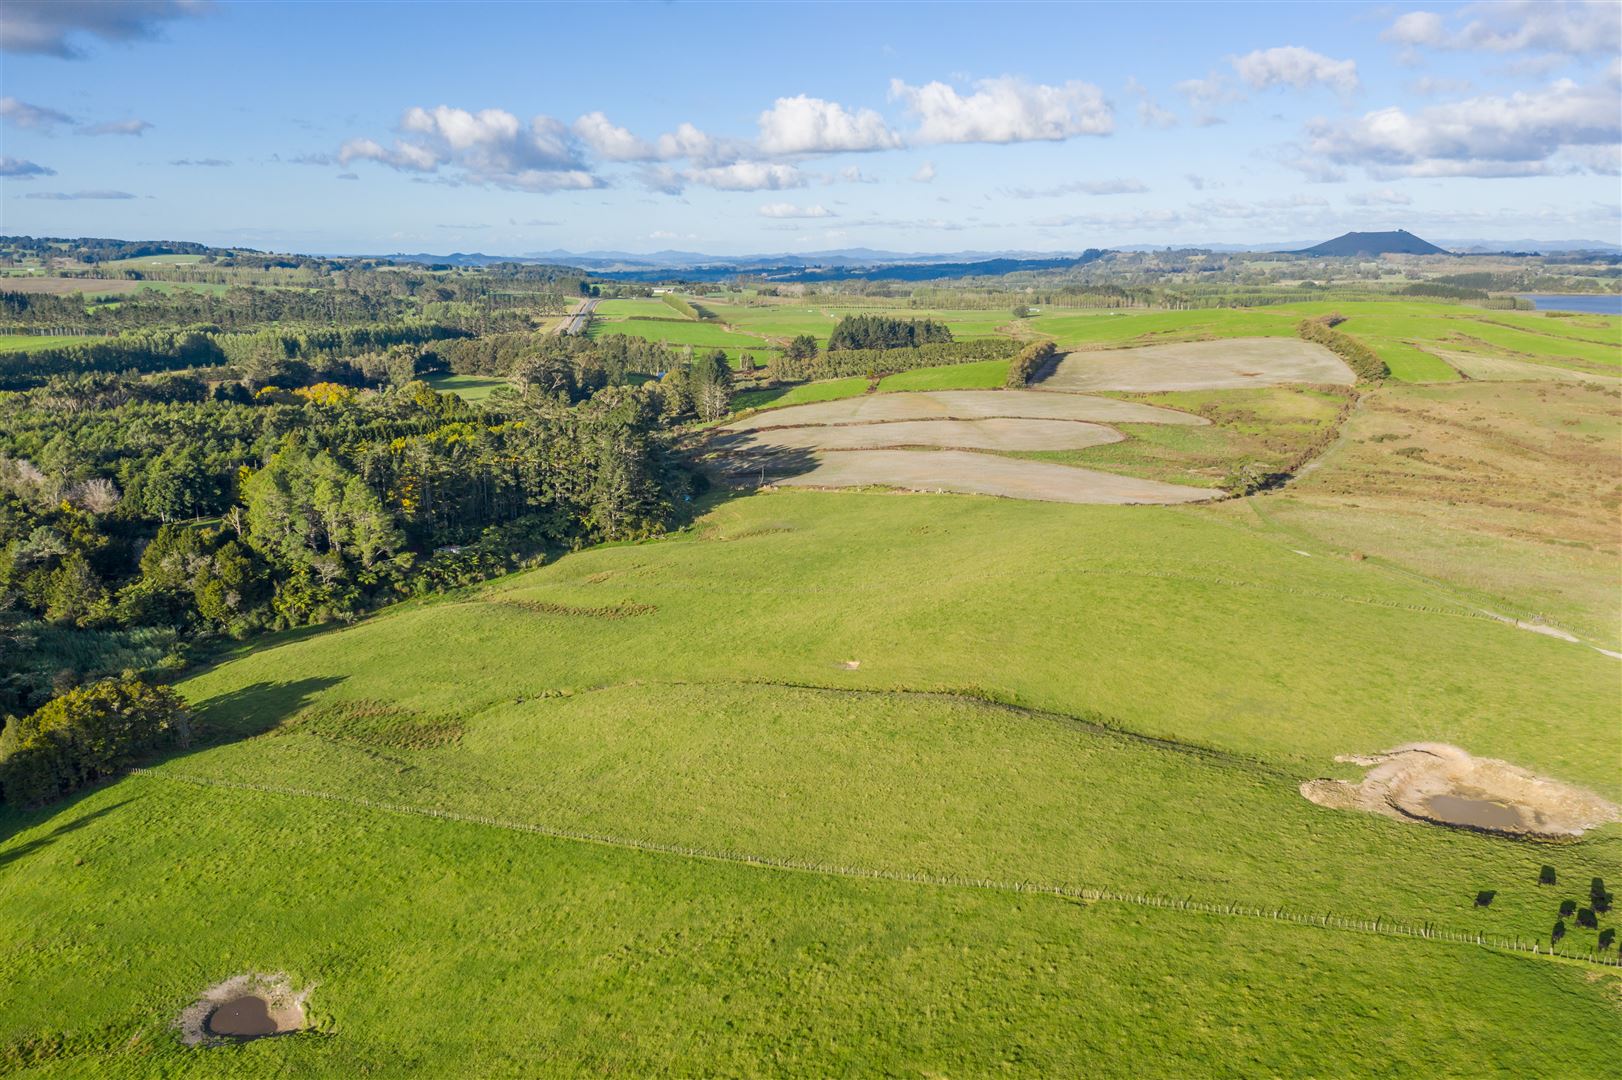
1367,366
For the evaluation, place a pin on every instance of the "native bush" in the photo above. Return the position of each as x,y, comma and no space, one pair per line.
87,734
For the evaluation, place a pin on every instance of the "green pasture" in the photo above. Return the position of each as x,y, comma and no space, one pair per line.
34,342
981,375
473,388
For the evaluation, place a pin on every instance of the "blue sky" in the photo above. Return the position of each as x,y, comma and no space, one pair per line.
732,128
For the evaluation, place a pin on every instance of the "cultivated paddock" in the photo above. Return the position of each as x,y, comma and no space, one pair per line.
965,405
966,472
957,436
1199,365
997,433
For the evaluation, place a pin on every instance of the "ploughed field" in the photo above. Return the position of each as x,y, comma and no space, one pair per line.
839,782
956,440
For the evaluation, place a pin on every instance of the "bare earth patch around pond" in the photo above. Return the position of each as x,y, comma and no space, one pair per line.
243,1007
1444,785
1228,364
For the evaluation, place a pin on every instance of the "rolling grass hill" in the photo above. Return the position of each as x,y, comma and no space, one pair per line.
769,794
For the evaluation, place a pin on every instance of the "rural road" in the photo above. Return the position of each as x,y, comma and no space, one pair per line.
576,323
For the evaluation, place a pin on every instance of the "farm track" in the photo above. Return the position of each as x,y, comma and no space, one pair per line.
1325,920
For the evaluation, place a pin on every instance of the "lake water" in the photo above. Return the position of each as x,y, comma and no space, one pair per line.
1593,305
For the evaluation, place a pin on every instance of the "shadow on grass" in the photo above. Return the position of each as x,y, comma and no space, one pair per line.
10,828
225,718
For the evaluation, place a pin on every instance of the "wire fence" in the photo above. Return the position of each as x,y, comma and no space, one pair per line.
1379,925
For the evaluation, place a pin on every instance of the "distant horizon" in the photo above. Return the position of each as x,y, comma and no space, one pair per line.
1133,126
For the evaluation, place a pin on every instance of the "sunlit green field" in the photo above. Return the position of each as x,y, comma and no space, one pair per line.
788,731
472,388
31,342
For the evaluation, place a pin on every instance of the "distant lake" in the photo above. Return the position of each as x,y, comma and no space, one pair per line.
1593,305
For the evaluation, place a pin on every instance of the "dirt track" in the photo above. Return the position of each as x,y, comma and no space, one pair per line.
1199,365
985,474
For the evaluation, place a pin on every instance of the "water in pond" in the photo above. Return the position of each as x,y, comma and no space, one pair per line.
1591,305
243,1018
1481,813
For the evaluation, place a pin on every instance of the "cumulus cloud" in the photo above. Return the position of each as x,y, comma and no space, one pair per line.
33,117
808,125
1488,136
925,173
52,27
1294,66
611,142
18,169
853,175
1204,95
115,127
789,210
491,146
1121,185
1005,110
71,196
1557,26
737,176
1382,197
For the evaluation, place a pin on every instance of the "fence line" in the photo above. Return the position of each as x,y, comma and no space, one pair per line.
1379,925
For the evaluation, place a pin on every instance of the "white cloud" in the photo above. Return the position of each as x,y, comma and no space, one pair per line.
491,146
1150,113
35,117
1005,110
789,210
1381,197
748,176
610,141
925,173
1489,136
1556,26
115,127
1120,185
738,176
853,175
47,27
74,196
18,169
1292,65
808,125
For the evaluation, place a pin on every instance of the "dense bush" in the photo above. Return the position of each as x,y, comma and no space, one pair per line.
86,734
886,332
875,362
1029,362
1359,357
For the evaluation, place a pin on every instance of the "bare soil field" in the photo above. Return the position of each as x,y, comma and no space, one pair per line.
1199,365
965,405
966,472
997,433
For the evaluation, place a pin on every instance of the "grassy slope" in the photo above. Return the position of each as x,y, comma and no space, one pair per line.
33,342
449,949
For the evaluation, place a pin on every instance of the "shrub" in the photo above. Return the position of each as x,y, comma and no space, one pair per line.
1606,937
1359,357
1567,907
1546,876
681,306
1484,898
1598,896
86,734
1587,919
1030,361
